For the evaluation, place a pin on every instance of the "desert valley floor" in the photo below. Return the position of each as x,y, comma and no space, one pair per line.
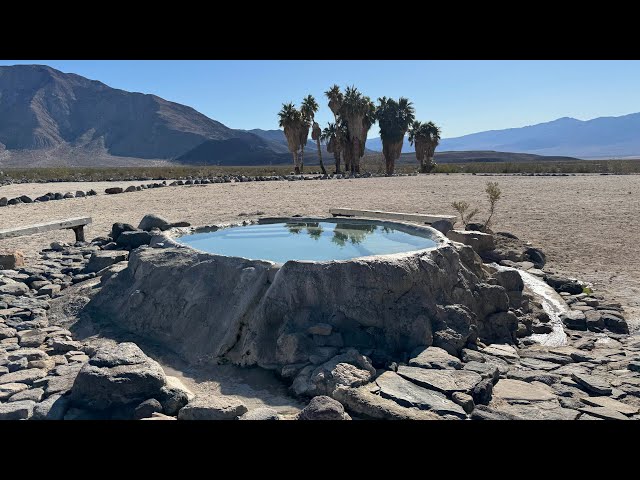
588,225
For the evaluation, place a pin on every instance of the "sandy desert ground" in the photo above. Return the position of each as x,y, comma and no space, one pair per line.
588,225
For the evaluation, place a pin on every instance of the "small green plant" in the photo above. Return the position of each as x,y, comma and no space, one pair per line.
587,290
493,195
462,208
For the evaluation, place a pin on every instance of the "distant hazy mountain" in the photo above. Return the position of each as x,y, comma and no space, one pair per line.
600,137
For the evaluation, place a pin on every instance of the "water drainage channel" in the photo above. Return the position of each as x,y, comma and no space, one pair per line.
552,304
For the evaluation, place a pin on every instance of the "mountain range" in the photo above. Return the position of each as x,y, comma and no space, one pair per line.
48,117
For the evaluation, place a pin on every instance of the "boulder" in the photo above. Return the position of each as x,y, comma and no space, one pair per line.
113,190
4,201
147,408
563,284
11,260
212,408
17,410
117,375
510,280
134,239
464,400
481,392
479,241
53,408
323,408
574,320
443,226
51,290
536,256
151,221
80,194
118,228
262,413
17,289
498,327
103,259
174,395
130,188
434,357
615,323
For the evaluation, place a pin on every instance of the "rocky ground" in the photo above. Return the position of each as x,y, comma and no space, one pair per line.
46,372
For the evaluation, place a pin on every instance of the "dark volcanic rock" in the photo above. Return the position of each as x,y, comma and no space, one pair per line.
118,228
151,221
134,239
323,408
117,376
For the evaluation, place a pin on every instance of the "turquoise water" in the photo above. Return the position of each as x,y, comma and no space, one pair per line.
320,241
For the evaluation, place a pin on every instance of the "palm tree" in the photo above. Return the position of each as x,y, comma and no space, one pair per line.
292,123
316,134
394,119
334,135
335,100
358,113
426,137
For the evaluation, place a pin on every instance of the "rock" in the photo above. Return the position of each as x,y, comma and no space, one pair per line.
11,260
481,392
443,226
151,221
174,396
562,284
28,353
537,256
134,239
615,324
595,323
350,369
51,290
445,381
612,404
434,357
113,190
21,410
34,394
482,412
16,289
408,394
105,258
130,188
7,390
236,318
212,408
510,280
27,376
320,329
118,228
363,401
117,375
592,383
540,411
545,356
602,412
260,414
498,327
574,320
147,408
477,240
485,370
536,364
59,345
80,194
7,332
4,201
323,408
464,400
159,416
634,366
20,364
518,391
53,408
502,351
533,376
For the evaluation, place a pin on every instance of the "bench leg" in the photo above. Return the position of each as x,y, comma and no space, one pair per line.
79,231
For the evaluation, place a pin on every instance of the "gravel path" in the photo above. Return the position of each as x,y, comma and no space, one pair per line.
588,225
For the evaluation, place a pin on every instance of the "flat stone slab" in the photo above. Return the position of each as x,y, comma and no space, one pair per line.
537,364
546,356
502,350
611,404
445,381
27,376
364,401
604,412
485,370
408,394
592,383
435,357
21,410
212,408
535,412
517,391
533,376
9,389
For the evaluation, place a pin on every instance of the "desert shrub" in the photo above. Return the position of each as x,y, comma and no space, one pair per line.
467,214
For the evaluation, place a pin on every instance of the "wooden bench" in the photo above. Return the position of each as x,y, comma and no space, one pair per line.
75,224
411,217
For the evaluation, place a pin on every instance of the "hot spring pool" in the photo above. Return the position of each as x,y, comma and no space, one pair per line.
316,241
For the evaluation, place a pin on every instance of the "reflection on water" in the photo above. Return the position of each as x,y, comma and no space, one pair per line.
342,233
307,241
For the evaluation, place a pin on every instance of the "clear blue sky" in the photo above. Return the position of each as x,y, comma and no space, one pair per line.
461,96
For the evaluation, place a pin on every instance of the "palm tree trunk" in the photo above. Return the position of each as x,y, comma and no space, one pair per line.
296,167
301,160
355,159
324,170
336,156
